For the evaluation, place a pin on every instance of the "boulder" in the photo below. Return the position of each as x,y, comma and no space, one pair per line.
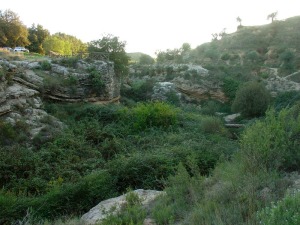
102,210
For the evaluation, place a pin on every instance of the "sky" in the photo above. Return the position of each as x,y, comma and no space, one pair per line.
148,25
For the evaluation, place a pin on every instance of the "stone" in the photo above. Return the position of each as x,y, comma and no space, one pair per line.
161,90
33,65
149,221
59,69
230,118
101,211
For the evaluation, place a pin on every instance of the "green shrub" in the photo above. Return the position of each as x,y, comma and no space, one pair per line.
251,100
45,65
71,199
225,56
230,87
139,91
286,99
7,133
283,212
96,80
13,134
104,114
68,62
141,170
152,114
183,191
212,125
163,213
273,143
173,98
253,56
210,108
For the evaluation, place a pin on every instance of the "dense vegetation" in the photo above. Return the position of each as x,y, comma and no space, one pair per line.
112,147
211,174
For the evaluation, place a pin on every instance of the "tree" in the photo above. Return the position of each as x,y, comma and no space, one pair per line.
251,100
116,50
76,44
56,44
186,47
272,16
37,35
222,33
239,20
146,60
215,36
63,44
12,31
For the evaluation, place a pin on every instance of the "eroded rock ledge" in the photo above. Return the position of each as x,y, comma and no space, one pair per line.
24,85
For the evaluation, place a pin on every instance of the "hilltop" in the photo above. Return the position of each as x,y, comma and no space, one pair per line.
273,45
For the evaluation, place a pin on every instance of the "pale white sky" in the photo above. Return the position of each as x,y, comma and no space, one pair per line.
148,25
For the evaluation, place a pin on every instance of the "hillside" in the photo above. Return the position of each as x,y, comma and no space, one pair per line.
274,45
135,56
269,54
62,151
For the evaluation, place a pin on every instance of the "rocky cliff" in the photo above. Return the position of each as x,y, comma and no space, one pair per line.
24,85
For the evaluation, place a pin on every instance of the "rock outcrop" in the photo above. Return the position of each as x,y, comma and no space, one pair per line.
162,89
102,210
24,85
190,82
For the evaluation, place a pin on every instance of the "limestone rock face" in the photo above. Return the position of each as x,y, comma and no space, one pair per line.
21,103
24,85
162,89
191,82
200,91
100,211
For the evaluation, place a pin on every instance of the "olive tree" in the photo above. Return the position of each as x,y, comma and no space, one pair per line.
252,99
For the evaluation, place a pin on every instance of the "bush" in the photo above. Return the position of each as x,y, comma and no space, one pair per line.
225,57
152,114
286,99
253,56
45,65
68,199
13,134
230,87
96,80
251,100
141,170
139,91
183,191
273,143
212,125
68,62
284,212
210,108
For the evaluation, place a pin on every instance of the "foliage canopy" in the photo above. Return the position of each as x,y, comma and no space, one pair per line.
251,100
12,31
116,50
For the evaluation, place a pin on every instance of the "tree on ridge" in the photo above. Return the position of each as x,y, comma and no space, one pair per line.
272,16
